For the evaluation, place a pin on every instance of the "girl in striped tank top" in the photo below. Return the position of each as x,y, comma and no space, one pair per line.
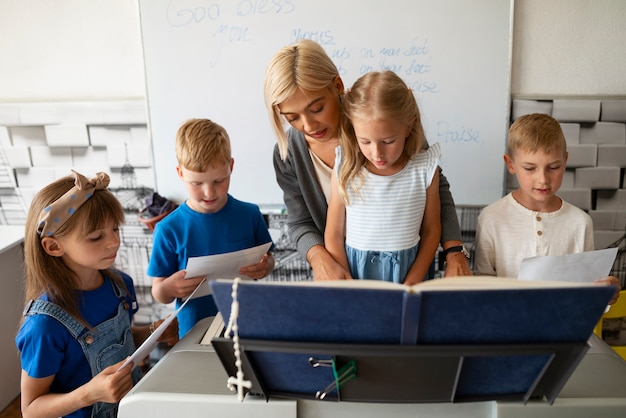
384,212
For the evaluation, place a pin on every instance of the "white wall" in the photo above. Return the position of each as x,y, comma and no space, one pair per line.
569,47
91,49
70,50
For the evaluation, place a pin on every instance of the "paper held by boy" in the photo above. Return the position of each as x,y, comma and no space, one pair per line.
223,266
585,267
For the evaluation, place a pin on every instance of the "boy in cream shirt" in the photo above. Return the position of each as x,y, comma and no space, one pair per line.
532,220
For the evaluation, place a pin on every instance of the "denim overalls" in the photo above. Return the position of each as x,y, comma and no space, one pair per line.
108,343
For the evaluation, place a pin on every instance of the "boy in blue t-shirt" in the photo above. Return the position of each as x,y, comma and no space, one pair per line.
209,222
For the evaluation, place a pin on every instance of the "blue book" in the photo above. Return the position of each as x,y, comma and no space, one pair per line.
467,311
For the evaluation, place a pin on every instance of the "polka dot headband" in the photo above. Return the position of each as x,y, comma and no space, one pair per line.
52,217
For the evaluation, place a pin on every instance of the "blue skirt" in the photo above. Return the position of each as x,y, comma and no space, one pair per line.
389,266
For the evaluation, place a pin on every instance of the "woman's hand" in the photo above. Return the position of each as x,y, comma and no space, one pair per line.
324,265
457,265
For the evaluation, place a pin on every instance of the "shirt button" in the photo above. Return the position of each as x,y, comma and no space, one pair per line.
539,233
539,218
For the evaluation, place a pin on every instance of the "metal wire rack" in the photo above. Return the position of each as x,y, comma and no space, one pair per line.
619,266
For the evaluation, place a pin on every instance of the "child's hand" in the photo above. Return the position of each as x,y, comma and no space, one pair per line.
111,384
260,269
611,281
177,286
170,335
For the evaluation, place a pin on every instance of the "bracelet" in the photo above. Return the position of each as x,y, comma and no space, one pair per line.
456,249
151,327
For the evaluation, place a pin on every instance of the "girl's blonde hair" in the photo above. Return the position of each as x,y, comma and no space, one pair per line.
46,274
201,144
536,132
376,96
303,65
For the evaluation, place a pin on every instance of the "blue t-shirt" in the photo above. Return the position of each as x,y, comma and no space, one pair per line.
186,233
47,348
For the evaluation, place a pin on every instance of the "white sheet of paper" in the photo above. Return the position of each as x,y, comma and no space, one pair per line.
151,342
581,267
225,266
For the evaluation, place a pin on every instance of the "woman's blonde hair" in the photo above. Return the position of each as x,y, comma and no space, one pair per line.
303,65
536,132
47,274
201,144
376,96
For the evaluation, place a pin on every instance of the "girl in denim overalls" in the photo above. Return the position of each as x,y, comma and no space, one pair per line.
77,327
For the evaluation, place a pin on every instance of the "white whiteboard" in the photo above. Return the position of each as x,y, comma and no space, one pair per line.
207,58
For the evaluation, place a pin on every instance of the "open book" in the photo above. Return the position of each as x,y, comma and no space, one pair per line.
453,310
425,332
